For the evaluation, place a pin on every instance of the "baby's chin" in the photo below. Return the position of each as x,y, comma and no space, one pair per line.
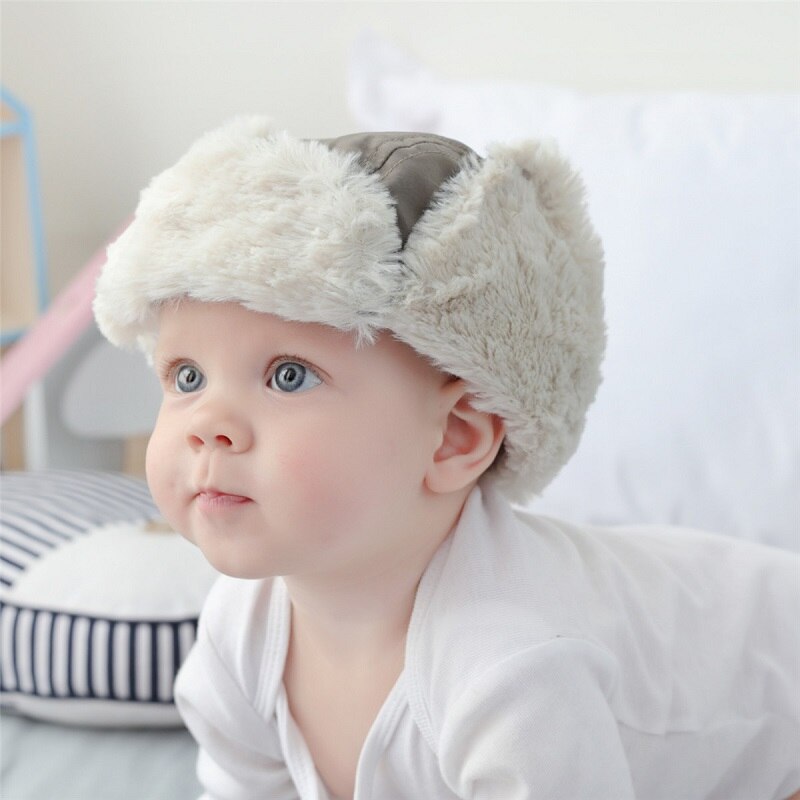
235,559
234,567
242,573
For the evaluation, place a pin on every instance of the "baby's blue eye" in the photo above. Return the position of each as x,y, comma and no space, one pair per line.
188,378
291,377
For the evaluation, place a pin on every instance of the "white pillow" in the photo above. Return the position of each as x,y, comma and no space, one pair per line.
98,607
697,199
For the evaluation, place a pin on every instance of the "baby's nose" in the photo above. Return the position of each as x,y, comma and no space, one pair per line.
219,428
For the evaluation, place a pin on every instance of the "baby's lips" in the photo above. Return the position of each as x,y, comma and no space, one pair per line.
212,501
212,494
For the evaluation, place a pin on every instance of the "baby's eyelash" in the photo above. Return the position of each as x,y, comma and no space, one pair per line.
166,368
276,362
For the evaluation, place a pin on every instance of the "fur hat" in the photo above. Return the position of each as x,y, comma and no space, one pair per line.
489,267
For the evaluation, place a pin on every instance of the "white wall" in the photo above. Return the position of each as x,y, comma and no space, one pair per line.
119,89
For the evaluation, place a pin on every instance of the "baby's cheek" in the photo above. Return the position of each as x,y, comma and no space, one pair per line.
322,491
161,476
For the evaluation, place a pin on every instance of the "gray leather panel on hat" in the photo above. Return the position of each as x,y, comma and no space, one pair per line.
412,166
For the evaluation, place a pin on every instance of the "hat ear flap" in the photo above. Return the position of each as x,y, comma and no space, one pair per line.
560,191
504,289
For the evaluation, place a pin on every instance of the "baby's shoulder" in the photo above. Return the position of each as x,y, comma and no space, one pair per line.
628,607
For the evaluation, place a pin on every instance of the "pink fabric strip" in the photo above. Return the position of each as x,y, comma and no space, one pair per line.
51,335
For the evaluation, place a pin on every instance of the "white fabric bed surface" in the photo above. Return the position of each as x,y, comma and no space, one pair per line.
43,761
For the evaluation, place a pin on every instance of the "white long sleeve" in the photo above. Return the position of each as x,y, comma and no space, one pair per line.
506,735
240,755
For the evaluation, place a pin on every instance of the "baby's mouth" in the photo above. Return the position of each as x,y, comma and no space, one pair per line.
215,500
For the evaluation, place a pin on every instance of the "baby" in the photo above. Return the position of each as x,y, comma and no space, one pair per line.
369,347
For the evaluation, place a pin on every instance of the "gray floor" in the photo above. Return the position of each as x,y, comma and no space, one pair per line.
44,761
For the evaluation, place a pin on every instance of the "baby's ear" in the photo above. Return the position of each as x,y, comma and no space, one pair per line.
470,441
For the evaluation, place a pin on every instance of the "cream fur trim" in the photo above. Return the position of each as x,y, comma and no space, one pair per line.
233,221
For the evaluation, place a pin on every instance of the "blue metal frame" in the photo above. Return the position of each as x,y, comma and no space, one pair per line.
23,127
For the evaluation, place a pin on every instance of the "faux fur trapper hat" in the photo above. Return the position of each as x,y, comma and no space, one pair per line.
489,267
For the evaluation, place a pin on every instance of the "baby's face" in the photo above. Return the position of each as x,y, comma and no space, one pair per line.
281,449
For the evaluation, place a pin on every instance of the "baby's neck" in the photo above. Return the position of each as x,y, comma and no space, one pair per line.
356,621
357,616
336,694
348,640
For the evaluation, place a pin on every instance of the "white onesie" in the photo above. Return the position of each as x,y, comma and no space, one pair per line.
544,660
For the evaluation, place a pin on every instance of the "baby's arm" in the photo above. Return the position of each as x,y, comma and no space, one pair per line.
537,724
239,757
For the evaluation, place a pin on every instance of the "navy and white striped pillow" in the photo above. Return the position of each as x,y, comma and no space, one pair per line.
96,612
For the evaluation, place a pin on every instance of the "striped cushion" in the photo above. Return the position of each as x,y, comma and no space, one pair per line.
96,611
